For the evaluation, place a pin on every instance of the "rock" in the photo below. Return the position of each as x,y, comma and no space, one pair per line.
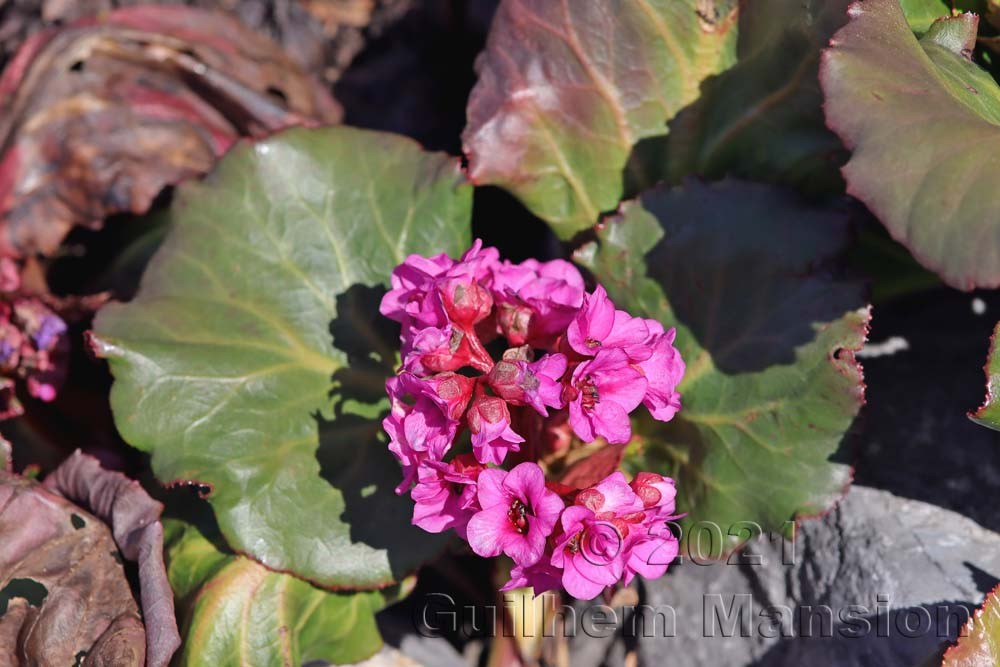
913,437
880,580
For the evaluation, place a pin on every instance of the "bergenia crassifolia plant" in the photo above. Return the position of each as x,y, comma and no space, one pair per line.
521,356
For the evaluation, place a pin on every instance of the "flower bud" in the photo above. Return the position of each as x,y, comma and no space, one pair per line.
465,302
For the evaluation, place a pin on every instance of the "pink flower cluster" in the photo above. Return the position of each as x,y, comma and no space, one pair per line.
566,360
33,345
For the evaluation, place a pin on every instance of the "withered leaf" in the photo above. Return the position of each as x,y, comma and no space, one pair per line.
134,518
64,596
98,117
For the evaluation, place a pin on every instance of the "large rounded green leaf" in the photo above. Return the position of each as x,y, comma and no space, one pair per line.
768,336
251,360
237,612
567,89
923,122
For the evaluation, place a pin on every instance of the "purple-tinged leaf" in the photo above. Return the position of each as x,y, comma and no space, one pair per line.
923,122
567,89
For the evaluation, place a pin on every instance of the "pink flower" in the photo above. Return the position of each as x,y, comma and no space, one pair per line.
445,494
536,384
465,301
10,275
518,513
415,299
492,435
652,546
418,431
541,577
602,363
657,494
536,301
11,342
44,347
650,549
604,391
592,551
479,262
599,326
432,350
450,391
663,370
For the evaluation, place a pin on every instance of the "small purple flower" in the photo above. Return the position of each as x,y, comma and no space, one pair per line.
450,391
11,340
430,350
651,546
518,513
604,391
49,330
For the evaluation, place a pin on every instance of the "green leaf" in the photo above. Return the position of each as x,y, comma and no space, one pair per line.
920,14
564,95
262,301
922,120
743,272
763,118
989,413
237,612
979,641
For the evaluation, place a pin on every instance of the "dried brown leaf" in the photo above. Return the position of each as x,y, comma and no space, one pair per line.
63,592
98,117
134,519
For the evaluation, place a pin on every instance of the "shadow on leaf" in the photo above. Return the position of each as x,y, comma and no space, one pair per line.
352,449
747,271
